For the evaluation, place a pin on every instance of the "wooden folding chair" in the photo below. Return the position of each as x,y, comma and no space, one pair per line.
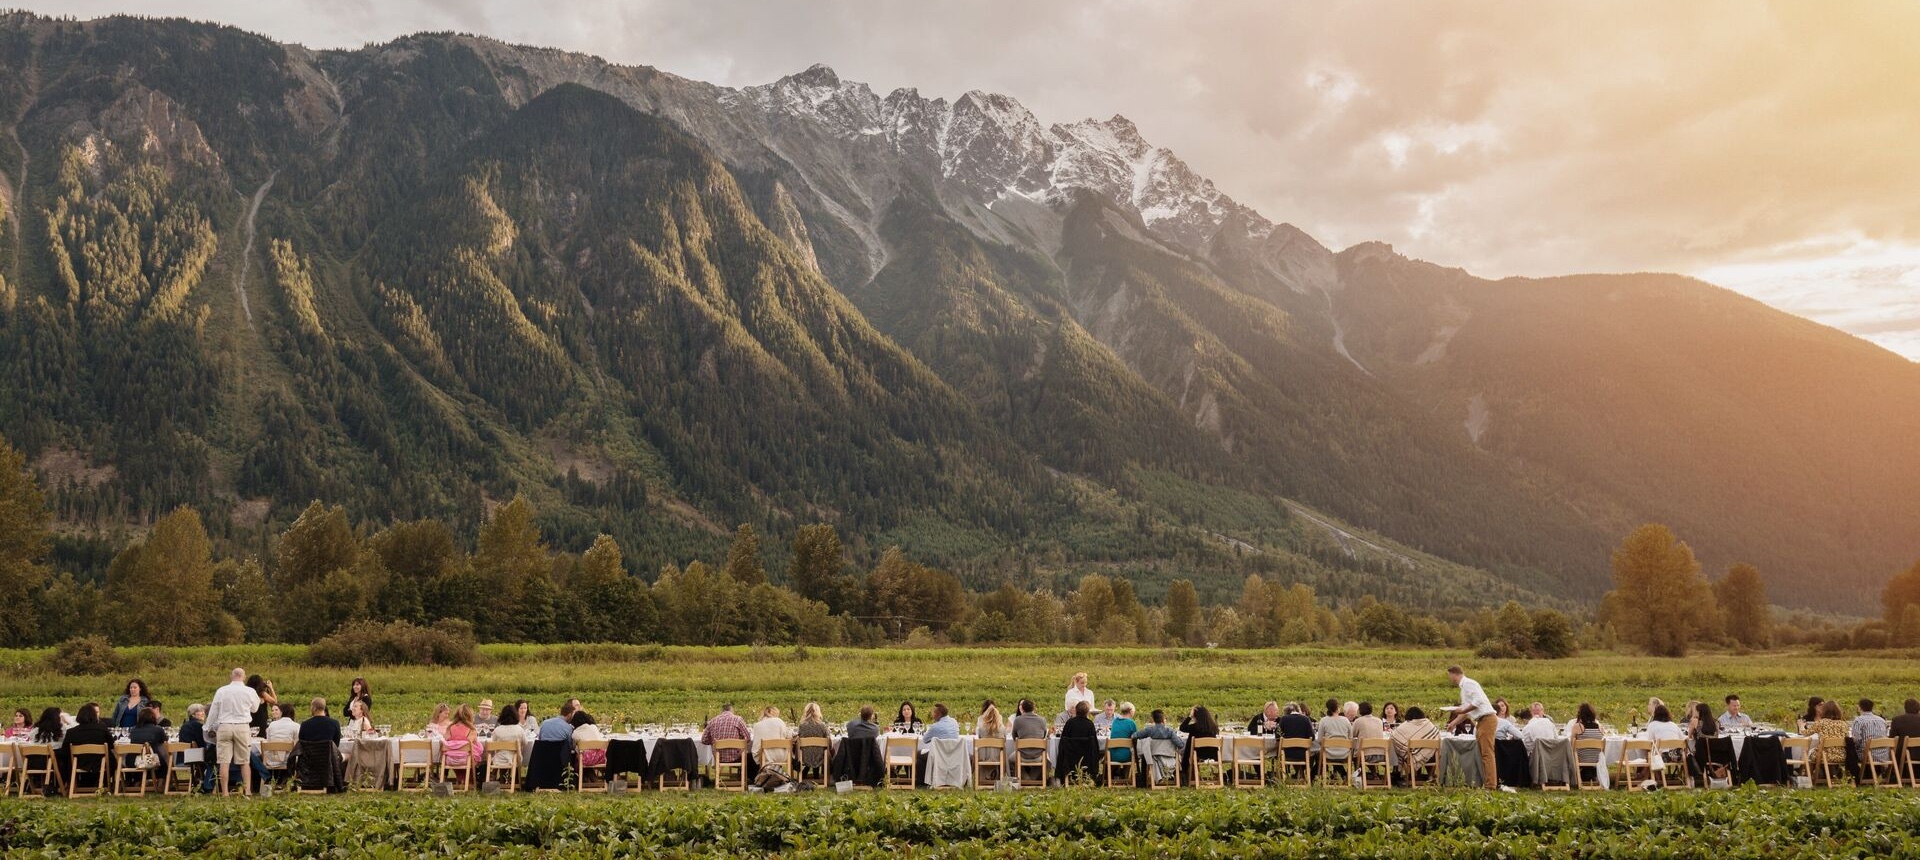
1022,766
1288,769
1670,766
1218,764
1375,755
1120,773
103,761
415,757
1797,754
179,776
457,759
1872,762
902,758
9,767
274,756
1328,760
503,751
1817,756
588,777
825,747
1909,768
128,774
1581,759
989,762
1636,758
1249,762
777,755
48,770
1414,763
730,775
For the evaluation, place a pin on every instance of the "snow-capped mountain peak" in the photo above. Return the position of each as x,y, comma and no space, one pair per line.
992,146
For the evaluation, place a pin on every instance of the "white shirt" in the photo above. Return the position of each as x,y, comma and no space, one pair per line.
283,729
1665,730
233,703
1076,696
1539,728
768,729
1474,700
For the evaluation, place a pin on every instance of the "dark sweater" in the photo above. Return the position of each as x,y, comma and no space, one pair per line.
321,729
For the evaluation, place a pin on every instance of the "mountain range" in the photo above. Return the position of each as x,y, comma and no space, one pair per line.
419,277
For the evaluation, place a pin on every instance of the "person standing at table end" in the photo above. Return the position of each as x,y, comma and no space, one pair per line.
231,716
1475,706
1077,692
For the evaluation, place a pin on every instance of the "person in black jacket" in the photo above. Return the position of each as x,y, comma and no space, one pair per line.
1906,725
89,729
1079,746
1267,722
1296,724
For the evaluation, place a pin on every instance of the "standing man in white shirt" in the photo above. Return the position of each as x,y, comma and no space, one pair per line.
231,718
1475,706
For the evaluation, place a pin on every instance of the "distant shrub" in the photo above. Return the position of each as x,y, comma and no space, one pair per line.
86,655
449,642
1497,649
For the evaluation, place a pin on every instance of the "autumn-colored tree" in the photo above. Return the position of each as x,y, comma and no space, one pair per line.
1901,592
1742,598
1659,602
23,541
318,543
161,589
743,558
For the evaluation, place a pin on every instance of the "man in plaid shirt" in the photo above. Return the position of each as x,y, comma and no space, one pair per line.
724,727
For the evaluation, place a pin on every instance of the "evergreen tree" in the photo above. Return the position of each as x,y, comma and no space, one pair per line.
1183,612
611,606
69,608
817,569
245,595
23,541
1742,599
510,559
743,558
416,555
161,589
1659,602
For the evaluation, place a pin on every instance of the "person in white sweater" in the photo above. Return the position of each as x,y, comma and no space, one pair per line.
1077,692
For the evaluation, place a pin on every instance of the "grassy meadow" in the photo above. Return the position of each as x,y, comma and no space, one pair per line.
621,683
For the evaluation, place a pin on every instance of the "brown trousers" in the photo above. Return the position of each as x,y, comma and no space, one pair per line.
1483,730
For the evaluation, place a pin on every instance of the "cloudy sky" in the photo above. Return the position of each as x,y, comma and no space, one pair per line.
1769,147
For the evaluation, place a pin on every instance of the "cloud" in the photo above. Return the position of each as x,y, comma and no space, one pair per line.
1510,137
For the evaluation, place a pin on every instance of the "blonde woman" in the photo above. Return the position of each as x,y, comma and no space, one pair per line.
1077,692
989,725
441,722
813,725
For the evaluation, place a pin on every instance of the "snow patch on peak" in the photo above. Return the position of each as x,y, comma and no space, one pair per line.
993,146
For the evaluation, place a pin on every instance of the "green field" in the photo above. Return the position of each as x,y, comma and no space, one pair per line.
654,684
1066,823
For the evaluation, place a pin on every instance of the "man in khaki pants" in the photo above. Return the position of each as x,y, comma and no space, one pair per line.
1475,706
231,717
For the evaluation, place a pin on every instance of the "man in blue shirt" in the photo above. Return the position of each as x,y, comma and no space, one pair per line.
558,728
944,726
